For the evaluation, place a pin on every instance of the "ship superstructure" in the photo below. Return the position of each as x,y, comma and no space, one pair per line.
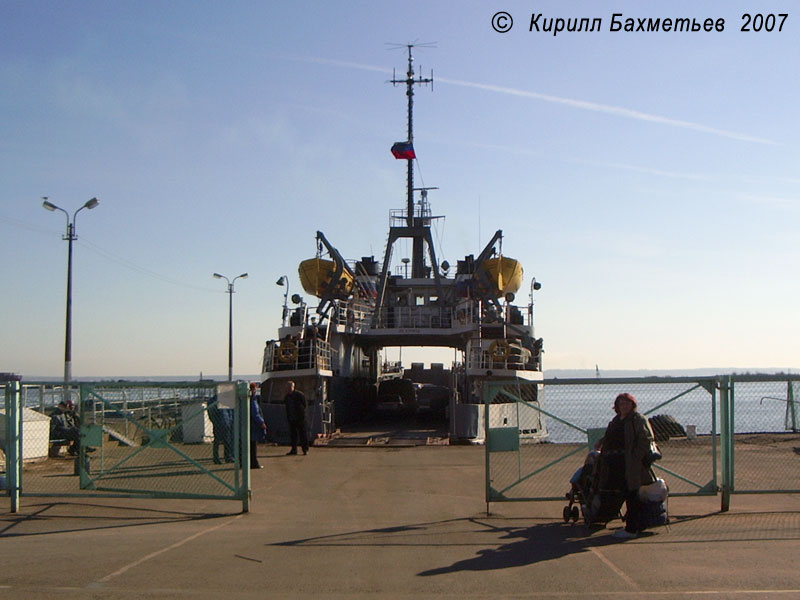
334,352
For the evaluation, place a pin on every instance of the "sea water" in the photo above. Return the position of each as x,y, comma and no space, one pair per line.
569,409
759,407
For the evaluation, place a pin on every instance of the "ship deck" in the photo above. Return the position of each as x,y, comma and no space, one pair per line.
390,429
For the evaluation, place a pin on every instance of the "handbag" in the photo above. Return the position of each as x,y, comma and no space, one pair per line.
654,492
653,454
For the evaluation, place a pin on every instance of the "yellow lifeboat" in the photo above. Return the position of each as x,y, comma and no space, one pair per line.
504,273
316,275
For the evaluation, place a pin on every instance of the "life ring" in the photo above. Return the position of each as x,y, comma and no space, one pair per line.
499,350
461,315
287,352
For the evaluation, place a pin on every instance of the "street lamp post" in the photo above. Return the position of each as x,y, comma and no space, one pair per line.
284,280
230,319
70,236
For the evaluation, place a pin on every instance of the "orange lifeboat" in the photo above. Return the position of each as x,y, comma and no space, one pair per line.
316,277
504,273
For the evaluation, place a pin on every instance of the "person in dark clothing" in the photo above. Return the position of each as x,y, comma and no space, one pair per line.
258,427
296,405
626,444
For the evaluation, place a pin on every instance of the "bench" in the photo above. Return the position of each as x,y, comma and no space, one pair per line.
56,446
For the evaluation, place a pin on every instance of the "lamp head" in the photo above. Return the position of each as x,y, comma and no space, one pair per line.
243,276
92,203
218,276
281,281
48,205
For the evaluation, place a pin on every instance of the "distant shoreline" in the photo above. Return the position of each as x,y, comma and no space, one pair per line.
548,374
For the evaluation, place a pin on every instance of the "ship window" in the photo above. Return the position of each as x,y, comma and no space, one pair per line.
433,299
419,300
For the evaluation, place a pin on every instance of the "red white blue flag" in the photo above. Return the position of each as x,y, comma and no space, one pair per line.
403,150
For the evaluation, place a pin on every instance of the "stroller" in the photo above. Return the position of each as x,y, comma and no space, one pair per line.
599,506
596,506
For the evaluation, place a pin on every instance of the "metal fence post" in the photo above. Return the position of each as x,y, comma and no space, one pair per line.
791,412
487,470
14,442
243,395
726,442
82,460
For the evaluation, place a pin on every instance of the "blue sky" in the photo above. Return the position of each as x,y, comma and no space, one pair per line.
648,180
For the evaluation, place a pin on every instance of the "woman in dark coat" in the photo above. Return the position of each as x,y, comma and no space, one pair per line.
625,447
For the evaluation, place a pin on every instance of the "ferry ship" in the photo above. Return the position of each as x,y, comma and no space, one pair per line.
335,351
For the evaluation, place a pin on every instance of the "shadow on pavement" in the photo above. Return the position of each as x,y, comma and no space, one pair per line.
63,517
501,546
526,546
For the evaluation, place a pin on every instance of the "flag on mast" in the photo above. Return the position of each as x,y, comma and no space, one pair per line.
403,150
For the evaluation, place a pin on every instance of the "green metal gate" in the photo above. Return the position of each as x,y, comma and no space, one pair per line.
761,435
576,412
143,440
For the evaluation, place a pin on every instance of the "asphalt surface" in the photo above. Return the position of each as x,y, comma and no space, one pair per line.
388,522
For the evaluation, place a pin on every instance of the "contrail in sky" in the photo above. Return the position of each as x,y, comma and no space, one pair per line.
579,104
612,110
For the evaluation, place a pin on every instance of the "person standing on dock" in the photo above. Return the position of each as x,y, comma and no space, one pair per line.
296,405
624,447
258,427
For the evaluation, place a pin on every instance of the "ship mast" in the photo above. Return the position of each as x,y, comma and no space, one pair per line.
418,254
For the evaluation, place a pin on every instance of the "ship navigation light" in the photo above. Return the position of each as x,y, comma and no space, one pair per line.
284,280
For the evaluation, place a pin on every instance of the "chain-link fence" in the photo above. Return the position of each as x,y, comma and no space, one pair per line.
576,413
717,434
156,440
765,426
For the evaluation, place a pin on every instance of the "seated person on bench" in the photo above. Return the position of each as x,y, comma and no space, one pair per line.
65,425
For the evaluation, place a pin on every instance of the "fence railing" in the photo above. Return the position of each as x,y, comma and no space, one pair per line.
125,439
719,435
762,448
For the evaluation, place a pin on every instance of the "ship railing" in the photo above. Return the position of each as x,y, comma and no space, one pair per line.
392,368
412,317
509,314
494,357
293,354
398,217
353,315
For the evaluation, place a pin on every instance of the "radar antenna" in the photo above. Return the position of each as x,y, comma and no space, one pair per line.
410,81
417,258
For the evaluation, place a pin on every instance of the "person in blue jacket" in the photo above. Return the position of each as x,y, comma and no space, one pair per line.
258,427
222,423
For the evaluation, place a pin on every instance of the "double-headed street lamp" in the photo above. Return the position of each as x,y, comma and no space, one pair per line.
230,319
70,236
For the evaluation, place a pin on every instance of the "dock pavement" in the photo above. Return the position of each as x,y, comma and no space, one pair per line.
379,523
